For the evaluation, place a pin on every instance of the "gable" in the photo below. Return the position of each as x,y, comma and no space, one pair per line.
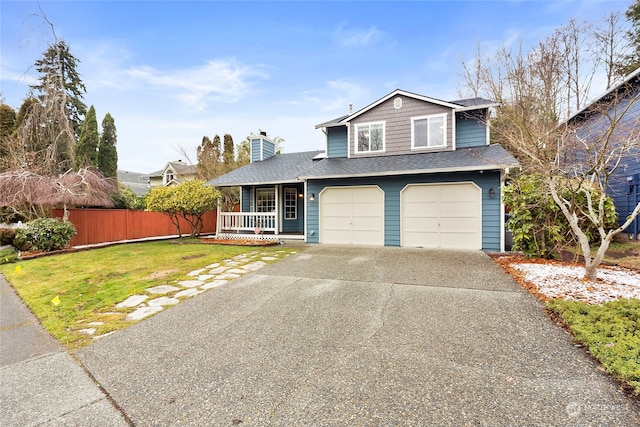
396,114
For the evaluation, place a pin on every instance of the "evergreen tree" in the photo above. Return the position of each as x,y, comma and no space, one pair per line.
58,69
228,156
7,125
86,154
108,154
632,61
7,120
24,109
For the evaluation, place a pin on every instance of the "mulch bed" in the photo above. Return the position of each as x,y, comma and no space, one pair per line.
240,242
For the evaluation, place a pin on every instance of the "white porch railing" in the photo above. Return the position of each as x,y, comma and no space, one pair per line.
247,222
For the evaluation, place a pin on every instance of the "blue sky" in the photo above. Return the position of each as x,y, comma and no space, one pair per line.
171,72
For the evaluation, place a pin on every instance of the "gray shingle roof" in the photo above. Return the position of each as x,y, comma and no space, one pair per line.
297,166
277,169
478,158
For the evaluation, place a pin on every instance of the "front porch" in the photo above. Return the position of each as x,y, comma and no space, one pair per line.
252,225
266,212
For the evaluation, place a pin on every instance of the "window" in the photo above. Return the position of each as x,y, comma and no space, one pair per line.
266,199
370,137
168,176
290,203
429,131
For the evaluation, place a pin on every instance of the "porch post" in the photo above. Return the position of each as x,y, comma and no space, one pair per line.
218,217
277,221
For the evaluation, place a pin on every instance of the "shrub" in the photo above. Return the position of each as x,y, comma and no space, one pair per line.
610,331
6,236
8,256
44,234
539,227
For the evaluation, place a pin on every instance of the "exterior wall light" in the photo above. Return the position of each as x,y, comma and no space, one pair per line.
312,198
492,193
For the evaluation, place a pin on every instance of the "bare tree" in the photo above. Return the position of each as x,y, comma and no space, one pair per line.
539,91
31,195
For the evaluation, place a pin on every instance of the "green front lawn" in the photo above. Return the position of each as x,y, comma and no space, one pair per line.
90,283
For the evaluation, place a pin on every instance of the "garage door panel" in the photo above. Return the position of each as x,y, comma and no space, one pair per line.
442,216
352,215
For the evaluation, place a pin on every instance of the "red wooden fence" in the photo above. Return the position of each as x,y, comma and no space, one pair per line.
113,225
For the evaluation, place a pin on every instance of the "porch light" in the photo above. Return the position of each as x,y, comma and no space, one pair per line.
492,193
312,198
629,179
300,195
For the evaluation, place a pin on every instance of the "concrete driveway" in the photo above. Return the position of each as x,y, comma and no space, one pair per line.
358,336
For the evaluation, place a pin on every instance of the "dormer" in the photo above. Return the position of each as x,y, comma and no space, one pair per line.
261,147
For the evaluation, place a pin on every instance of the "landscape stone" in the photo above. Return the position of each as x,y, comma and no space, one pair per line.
227,276
187,293
196,272
205,277
214,265
213,284
132,301
88,331
254,266
162,289
218,270
233,263
190,283
95,323
162,301
143,312
269,258
235,271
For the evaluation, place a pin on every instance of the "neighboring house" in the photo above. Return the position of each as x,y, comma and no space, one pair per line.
136,182
173,173
406,170
624,183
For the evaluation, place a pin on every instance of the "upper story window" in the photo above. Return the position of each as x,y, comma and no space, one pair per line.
168,177
369,137
429,131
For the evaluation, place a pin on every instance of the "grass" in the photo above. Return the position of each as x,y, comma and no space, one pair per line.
611,333
625,253
90,283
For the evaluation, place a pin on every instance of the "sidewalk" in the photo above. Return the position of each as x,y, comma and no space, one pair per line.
40,383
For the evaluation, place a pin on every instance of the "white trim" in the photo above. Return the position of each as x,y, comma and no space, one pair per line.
428,119
412,172
305,210
369,124
348,140
454,141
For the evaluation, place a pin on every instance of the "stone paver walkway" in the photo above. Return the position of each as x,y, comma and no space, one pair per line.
198,281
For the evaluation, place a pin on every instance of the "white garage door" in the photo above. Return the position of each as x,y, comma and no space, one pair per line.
352,215
447,216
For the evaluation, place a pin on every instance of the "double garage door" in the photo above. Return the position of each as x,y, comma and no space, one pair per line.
431,216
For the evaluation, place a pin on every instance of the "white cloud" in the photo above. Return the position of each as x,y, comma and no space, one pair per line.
217,80
358,37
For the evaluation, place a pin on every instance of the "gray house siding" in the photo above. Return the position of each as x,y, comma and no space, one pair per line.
337,144
398,125
470,131
491,210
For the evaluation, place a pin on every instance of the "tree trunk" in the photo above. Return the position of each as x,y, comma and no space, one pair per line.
65,215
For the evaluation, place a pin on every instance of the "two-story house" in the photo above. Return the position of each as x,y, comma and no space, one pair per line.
618,111
172,173
406,170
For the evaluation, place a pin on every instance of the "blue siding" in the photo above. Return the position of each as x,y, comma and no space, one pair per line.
470,131
246,200
393,185
255,150
262,149
268,149
337,145
293,225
